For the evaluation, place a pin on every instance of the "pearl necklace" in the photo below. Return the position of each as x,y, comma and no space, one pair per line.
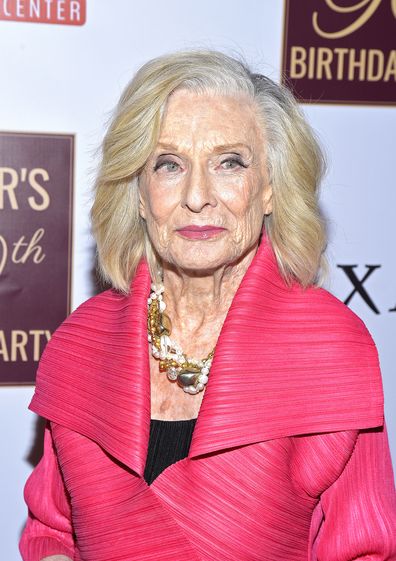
190,374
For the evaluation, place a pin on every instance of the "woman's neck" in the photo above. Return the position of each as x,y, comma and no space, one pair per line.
197,301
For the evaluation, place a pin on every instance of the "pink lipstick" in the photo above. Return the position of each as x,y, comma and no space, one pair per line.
205,232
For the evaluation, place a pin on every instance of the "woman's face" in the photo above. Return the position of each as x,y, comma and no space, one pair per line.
204,190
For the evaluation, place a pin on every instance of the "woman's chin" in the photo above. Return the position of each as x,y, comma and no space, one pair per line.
204,262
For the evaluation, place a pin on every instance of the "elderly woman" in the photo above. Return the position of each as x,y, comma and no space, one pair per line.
215,403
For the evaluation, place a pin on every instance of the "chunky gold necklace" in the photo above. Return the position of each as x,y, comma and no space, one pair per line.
190,374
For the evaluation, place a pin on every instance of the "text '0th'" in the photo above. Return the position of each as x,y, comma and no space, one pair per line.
22,250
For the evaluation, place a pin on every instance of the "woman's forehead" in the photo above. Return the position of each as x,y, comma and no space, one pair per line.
197,105
213,121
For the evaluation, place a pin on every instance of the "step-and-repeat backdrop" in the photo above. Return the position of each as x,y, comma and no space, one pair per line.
63,64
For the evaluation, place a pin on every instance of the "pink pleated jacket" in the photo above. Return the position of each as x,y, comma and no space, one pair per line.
289,459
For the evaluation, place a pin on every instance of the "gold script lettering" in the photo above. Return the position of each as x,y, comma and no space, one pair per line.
372,6
31,248
4,253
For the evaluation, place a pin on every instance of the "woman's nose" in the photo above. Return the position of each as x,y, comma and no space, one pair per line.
198,191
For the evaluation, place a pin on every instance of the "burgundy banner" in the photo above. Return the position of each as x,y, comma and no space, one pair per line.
36,192
341,51
63,12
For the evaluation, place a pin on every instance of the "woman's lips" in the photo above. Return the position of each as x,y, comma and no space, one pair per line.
200,232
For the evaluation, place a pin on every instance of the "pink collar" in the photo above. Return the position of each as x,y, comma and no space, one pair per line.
288,361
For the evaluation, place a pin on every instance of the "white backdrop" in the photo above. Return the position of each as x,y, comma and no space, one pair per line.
67,79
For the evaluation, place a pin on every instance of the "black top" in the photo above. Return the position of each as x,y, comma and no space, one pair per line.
169,442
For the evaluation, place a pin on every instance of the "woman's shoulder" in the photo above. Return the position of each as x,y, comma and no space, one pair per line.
317,320
80,353
87,331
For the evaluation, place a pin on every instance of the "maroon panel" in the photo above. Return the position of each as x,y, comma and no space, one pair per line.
36,188
341,51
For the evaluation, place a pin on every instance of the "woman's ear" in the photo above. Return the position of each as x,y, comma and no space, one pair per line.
267,199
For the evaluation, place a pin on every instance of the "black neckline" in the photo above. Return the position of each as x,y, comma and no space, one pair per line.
171,421
169,443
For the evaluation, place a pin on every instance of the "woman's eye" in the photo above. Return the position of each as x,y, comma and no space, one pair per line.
232,163
168,165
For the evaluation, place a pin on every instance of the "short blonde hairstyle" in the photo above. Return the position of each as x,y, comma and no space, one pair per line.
296,228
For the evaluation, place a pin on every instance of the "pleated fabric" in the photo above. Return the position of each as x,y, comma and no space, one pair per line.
289,458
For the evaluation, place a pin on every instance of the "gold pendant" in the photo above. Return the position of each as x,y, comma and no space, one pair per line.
187,378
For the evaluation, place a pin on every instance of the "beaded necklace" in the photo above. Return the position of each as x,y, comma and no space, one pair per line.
191,374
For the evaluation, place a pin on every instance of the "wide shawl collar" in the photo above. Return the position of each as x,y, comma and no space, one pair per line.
288,361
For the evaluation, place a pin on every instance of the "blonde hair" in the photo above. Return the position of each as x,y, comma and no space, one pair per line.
295,228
